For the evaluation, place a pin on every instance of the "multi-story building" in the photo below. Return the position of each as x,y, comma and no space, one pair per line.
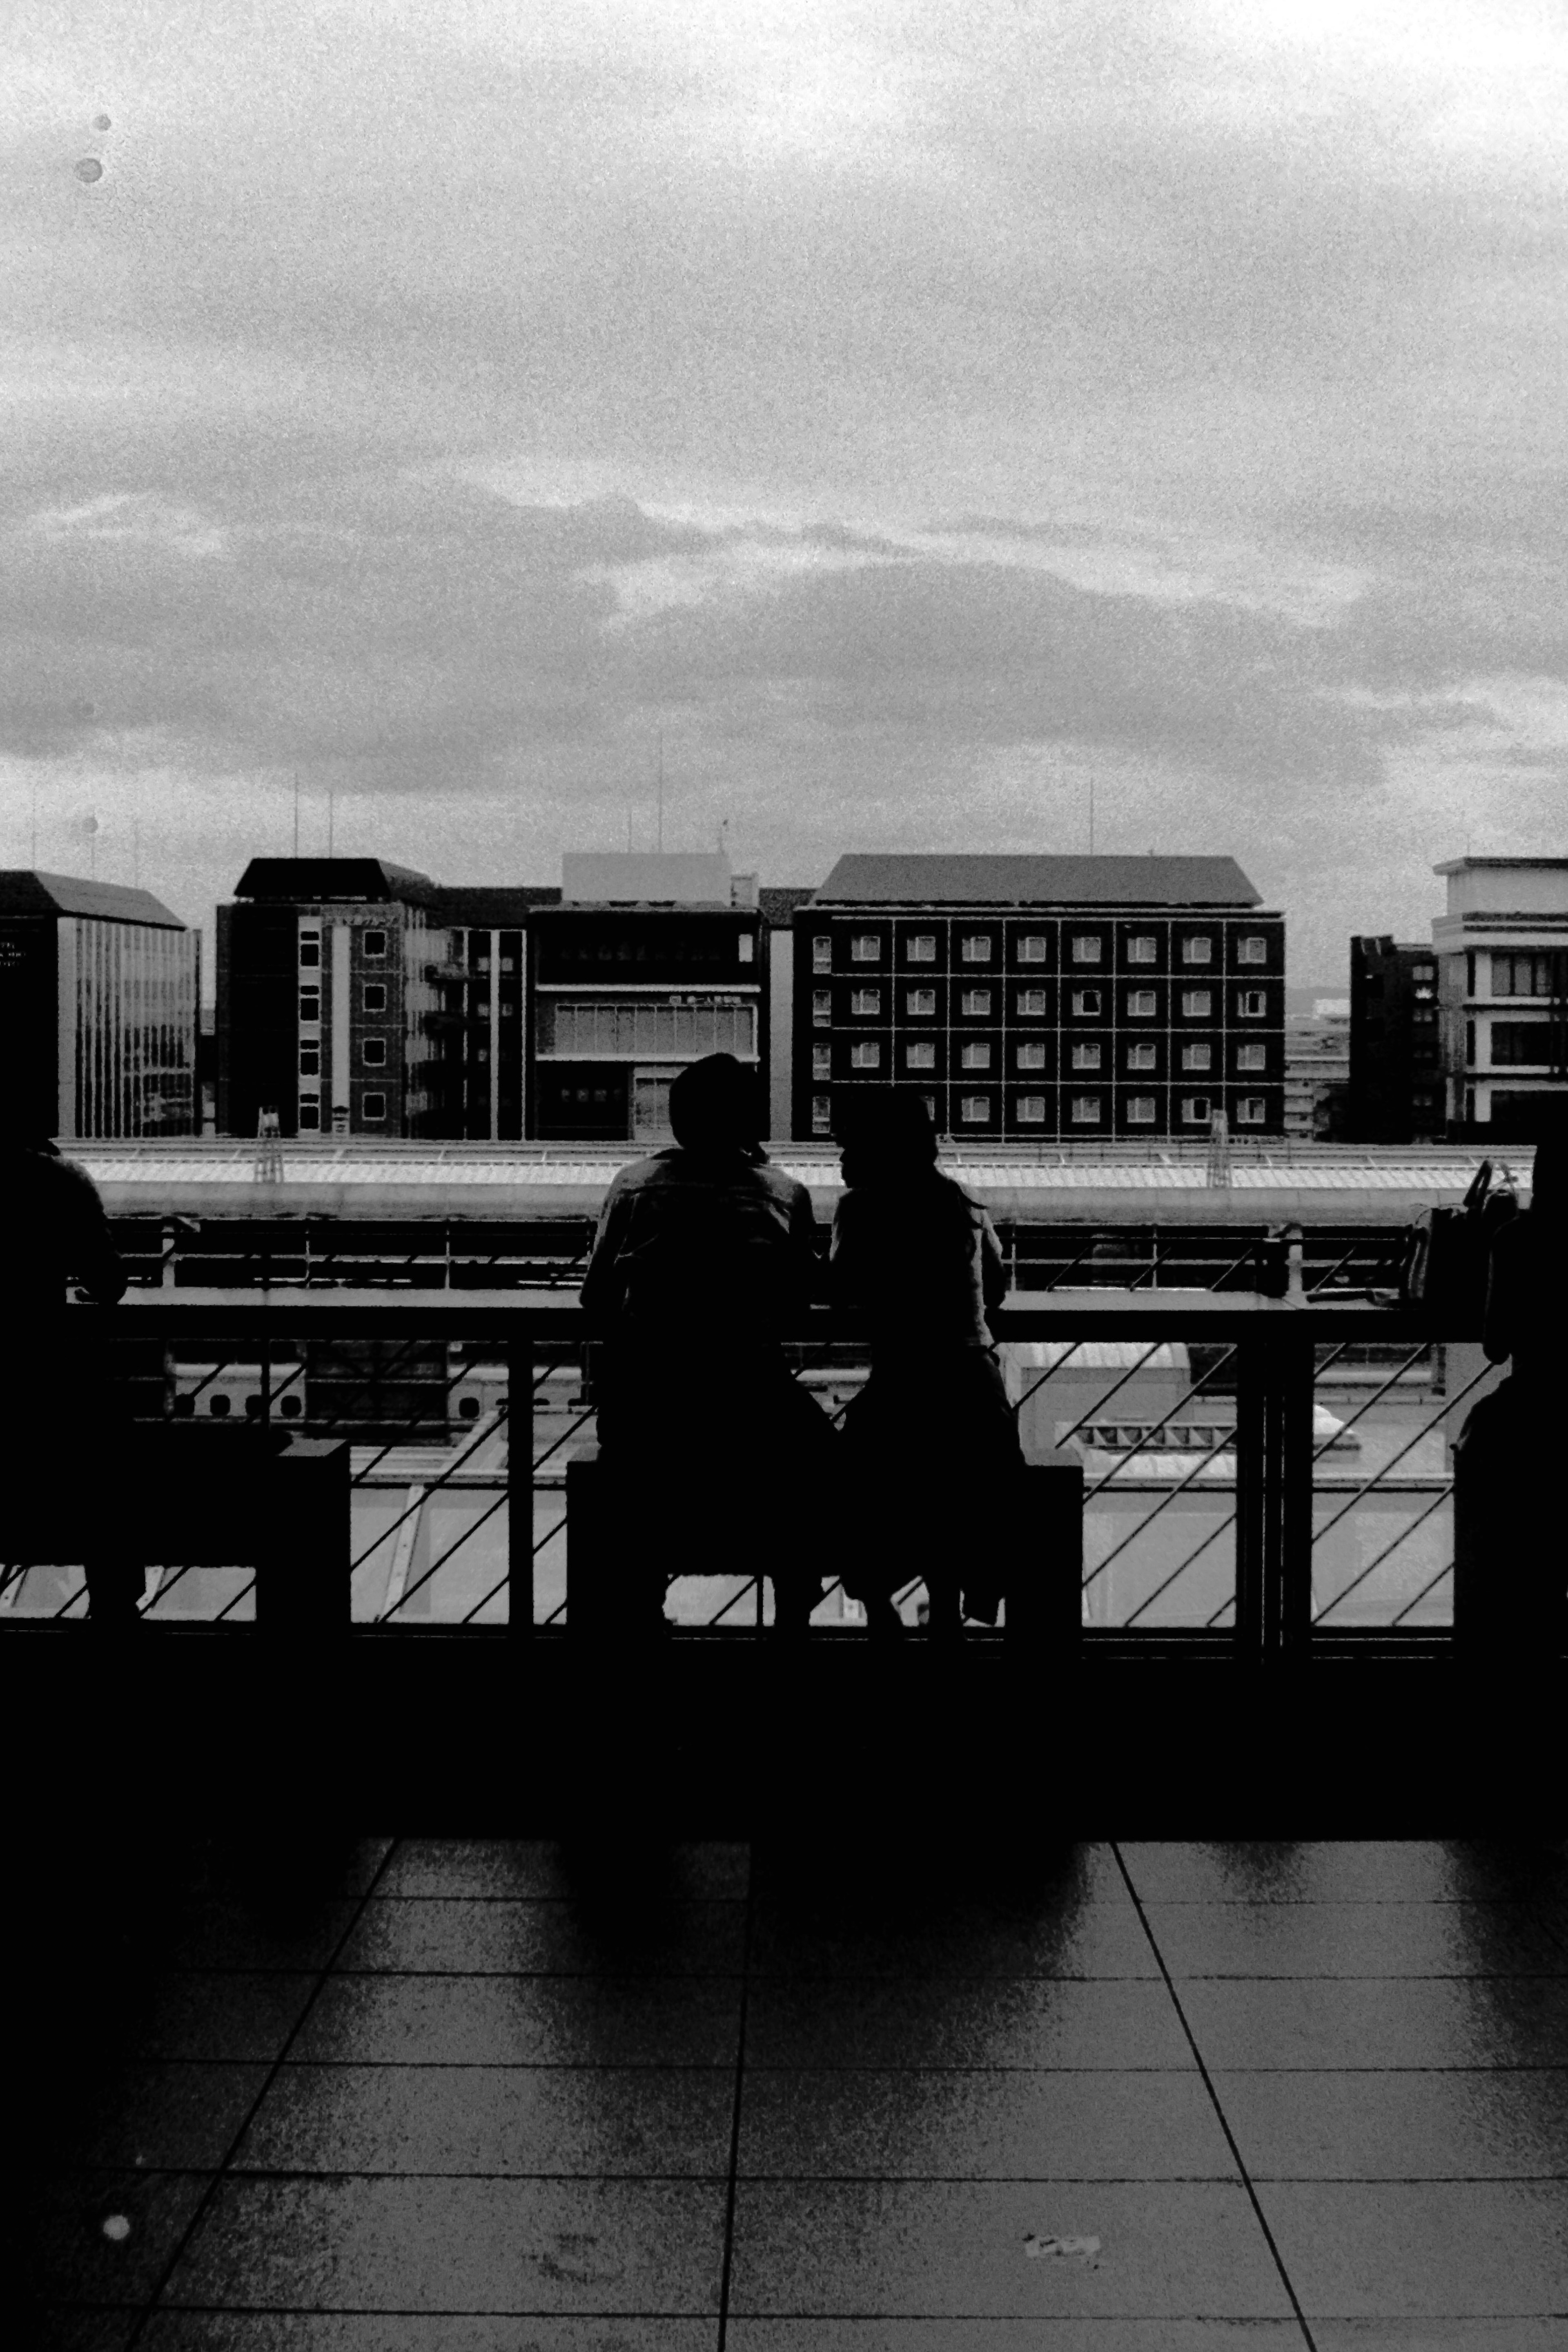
1501,951
1317,1071
1395,1090
1027,997
98,993
648,963
479,1076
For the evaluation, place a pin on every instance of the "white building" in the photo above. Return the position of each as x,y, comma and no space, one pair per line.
1502,965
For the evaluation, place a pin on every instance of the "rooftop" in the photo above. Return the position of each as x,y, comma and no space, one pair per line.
921,879
24,892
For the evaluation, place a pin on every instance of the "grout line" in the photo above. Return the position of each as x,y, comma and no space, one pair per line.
731,2189
273,2069
1220,2115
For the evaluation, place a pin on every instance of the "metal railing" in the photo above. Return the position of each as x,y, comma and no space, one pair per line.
1219,1502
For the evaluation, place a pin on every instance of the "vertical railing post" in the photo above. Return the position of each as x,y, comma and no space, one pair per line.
1295,1365
521,1489
1251,1419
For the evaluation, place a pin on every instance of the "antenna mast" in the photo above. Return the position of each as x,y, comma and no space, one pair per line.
1090,816
660,832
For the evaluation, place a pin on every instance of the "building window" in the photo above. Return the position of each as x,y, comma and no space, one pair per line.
975,1110
1141,1003
977,1057
1086,1002
865,1057
1031,1003
1251,1111
1032,1110
1141,1058
1251,1057
1194,1110
1522,1043
1086,1110
375,948
1140,1110
821,1009
309,1117
1197,1004
821,1061
978,1002
1198,950
920,1002
1086,1057
866,1002
310,950
975,948
921,1056
1142,950
920,947
747,948
865,947
1197,1057
1253,1003
310,1004
372,1105
821,1114
1031,1056
1517,975
822,954
1252,949
1034,948
309,1061
374,1050
1085,948
375,996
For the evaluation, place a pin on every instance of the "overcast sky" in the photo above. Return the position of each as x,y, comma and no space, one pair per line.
911,412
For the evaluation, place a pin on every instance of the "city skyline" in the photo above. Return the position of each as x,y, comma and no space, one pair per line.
887,437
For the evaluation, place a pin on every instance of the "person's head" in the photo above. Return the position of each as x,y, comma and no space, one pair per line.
885,1136
715,1106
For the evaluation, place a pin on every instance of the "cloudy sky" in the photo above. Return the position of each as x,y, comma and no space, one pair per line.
909,412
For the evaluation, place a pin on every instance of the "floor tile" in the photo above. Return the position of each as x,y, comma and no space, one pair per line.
857,1939
175,2116
525,2020
843,2021
1020,1873
538,1867
1499,2124
230,1935
62,2329
1406,2250
1350,1870
1388,2022
335,2331
505,1938
947,2125
1512,2334
467,2246
1354,1940
227,2016
65,2252
1081,2335
513,2119
957,2248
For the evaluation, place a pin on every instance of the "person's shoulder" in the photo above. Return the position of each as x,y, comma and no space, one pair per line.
779,1182
638,1174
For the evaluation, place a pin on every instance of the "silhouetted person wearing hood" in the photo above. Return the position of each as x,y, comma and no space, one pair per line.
1510,1559
52,1374
931,1441
703,1262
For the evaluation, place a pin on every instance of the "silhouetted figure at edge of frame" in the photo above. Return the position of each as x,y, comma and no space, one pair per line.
1510,1558
931,1450
705,1260
57,1407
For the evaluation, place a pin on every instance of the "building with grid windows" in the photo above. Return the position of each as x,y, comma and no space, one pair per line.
99,987
1026,998
1395,1091
1501,952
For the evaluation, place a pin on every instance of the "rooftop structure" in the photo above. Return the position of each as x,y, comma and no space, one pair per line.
956,879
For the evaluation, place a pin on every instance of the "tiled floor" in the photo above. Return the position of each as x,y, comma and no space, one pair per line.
480,2097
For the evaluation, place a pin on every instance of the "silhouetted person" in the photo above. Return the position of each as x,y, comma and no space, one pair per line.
1510,1562
703,1261
55,1399
932,1444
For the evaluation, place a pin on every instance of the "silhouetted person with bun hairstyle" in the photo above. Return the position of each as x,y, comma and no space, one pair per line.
705,1261
931,1441
53,1375
1510,1559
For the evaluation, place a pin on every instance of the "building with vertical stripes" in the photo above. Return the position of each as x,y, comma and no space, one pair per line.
1501,948
99,987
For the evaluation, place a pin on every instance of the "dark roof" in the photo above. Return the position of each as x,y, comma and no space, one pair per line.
777,906
926,880
23,892
1466,864
313,881
486,908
